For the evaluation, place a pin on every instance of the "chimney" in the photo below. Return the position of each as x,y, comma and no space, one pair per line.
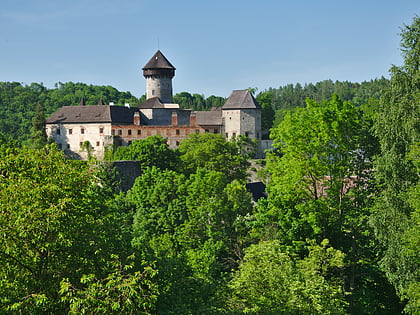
174,119
193,119
136,118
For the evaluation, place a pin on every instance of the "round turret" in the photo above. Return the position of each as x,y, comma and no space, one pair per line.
159,73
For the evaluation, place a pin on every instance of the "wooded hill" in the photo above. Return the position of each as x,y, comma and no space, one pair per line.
18,101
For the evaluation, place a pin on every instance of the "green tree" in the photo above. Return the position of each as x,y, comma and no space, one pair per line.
38,132
213,152
265,99
194,229
152,151
321,188
56,223
272,281
395,216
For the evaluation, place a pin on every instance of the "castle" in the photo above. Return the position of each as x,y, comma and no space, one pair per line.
103,126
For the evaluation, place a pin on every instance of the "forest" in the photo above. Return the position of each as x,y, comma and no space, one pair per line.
338,232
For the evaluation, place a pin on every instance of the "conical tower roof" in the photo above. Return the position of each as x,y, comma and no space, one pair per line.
158,61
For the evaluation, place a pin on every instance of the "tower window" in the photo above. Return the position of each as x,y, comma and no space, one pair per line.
82,131
97,143
70,131
153,92
58,131
101,130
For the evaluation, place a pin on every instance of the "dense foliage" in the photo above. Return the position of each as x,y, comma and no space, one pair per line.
337,234
397,209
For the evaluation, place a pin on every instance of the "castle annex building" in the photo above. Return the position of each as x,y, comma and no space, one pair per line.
104,126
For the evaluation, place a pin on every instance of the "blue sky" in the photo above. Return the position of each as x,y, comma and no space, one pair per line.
217,46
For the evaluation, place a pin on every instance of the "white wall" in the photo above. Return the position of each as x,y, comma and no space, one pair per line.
70,137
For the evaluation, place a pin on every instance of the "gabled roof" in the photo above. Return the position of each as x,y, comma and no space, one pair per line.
158,61
93,114
241,99
153,102
209,118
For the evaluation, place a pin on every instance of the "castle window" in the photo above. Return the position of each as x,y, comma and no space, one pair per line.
139,132
58,131
113,132
129,132
81,144
101,130
70,131
215,131
119,132
226,135
130,142
177,131
82,130
97,143
177,143
68,146
246,134
153,92
206,131
233,134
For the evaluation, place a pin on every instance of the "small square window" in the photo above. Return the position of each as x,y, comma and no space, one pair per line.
97,143
139,132
70,131
101,130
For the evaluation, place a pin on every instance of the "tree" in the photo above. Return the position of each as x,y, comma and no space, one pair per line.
321,188
213,152
395,216
39,134
271,281
56,223
152,151
265,99
194,229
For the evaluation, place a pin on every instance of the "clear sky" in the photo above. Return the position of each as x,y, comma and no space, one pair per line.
217,46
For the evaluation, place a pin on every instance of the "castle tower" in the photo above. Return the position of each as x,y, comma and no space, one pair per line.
241,115
159,73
